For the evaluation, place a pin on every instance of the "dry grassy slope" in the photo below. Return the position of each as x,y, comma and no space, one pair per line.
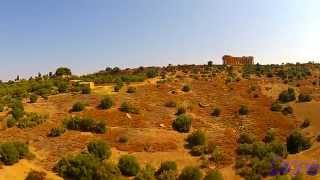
147,140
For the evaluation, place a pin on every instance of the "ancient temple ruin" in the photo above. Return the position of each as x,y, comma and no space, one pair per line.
230,60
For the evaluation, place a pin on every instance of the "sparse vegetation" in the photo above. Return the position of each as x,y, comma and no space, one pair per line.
287,110
36,175
181,110
33,98
216,112
191,173
287,96
304,98
186,88
171,104
306,123
243,110
57,131
12,152
276,106
213,175
85,124
78,107
99,149
106,103
131,89
128,165
297,142
182,123
197,138
128,108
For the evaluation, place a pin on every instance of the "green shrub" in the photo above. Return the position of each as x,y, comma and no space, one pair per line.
85,124
78,107
287,96
304,98
198,150
243,110
171,104
213,175
131,89
217,156
168,175
81,166
287,110
167,166
216,112
107,171
297,142
182,123
197,138
276,107
118,86
186,88
11,121
128,108
146,173
106,103
31,120
181,110
128,165
151,73
63,71
85,90
270,136
17,112
305,124
33,98
99,149
11,152
246,138
62,86
191,173
36,175
1,107
57,131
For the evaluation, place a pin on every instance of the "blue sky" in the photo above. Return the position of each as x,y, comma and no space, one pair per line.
88,35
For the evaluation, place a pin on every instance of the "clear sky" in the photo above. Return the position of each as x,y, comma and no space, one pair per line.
88,35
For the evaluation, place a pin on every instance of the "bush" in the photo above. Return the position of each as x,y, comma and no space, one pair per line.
270,136
17,112
78,106
197,138
151,73
167,175
198,150
243,110
297,142
33,98
171,104
11,152
305,124
181,110
85,125
213,175
99,149
106,103
31,120
128,165
246,138
118,86
191,173
182,123
57,131
107,171
36,175
1,107
167,166
11,121
304,98
81,166
85,90
217,156
287,96
146,173
186,88
216,112
276,107
131,89
63,71
287,110
128,108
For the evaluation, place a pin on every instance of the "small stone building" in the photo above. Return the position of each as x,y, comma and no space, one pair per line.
230,60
